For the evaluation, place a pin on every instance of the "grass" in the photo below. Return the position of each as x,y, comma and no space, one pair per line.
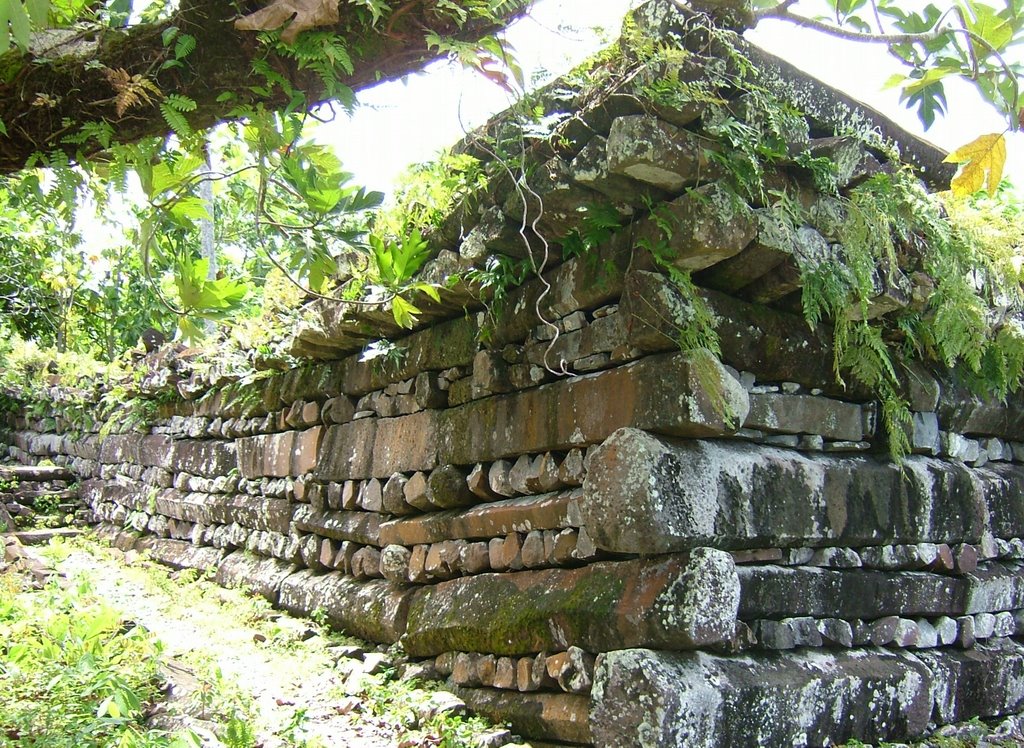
299,648
73,672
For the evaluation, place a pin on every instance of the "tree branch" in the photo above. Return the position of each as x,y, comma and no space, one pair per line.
782,12
44,100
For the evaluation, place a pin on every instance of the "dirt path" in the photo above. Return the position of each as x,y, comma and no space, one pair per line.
243,654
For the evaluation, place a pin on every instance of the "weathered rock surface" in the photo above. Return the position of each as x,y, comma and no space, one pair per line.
777,345
773,591
673,603
985,681
805,414
544,512
261,575
374,610
647,494
703,227
643,697
180,554
548,716
655,152
678,394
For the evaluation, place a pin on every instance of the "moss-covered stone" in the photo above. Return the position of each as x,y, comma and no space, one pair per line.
670,602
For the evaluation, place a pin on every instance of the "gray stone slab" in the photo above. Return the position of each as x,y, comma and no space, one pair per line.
647,494
805,697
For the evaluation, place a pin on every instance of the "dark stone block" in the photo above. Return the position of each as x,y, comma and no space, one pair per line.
806,697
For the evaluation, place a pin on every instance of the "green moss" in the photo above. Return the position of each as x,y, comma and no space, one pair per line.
521,621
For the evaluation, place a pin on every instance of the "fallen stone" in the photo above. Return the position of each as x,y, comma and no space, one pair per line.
261,575
440,703
181,554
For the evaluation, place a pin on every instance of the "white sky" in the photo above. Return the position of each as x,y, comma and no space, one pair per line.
404,123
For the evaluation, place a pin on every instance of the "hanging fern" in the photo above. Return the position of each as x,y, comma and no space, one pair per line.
173,108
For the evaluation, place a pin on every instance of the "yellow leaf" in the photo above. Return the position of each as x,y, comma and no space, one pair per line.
982,161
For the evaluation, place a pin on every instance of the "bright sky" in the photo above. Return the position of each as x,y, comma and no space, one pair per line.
404,123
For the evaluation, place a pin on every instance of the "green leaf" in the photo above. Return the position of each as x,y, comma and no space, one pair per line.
986,23
180,103
429,289
119,12
38,11
168,35
168,175
188,209
185,45
175,120
21,28
929,98
108,708
5,30
403,312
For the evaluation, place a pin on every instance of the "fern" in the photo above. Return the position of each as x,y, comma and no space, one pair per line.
175,120
184,46
180,103
600,222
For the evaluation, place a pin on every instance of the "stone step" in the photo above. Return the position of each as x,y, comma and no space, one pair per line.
39,537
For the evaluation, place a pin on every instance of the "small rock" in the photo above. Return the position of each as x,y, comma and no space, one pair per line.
375,662
440,703
347,652
494,739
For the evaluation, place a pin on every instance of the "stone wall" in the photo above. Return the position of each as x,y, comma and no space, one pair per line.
660,548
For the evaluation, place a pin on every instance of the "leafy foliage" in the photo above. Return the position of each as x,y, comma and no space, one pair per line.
74,673
969,40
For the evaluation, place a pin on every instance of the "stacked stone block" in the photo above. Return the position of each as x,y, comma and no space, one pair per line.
586,531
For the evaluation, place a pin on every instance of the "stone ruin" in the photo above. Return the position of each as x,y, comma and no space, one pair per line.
661,548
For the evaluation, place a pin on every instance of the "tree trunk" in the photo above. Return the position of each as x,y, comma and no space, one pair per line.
46,97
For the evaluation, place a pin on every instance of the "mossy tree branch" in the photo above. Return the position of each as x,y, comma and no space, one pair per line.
62,83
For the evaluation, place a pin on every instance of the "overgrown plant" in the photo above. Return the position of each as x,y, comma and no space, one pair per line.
74,673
